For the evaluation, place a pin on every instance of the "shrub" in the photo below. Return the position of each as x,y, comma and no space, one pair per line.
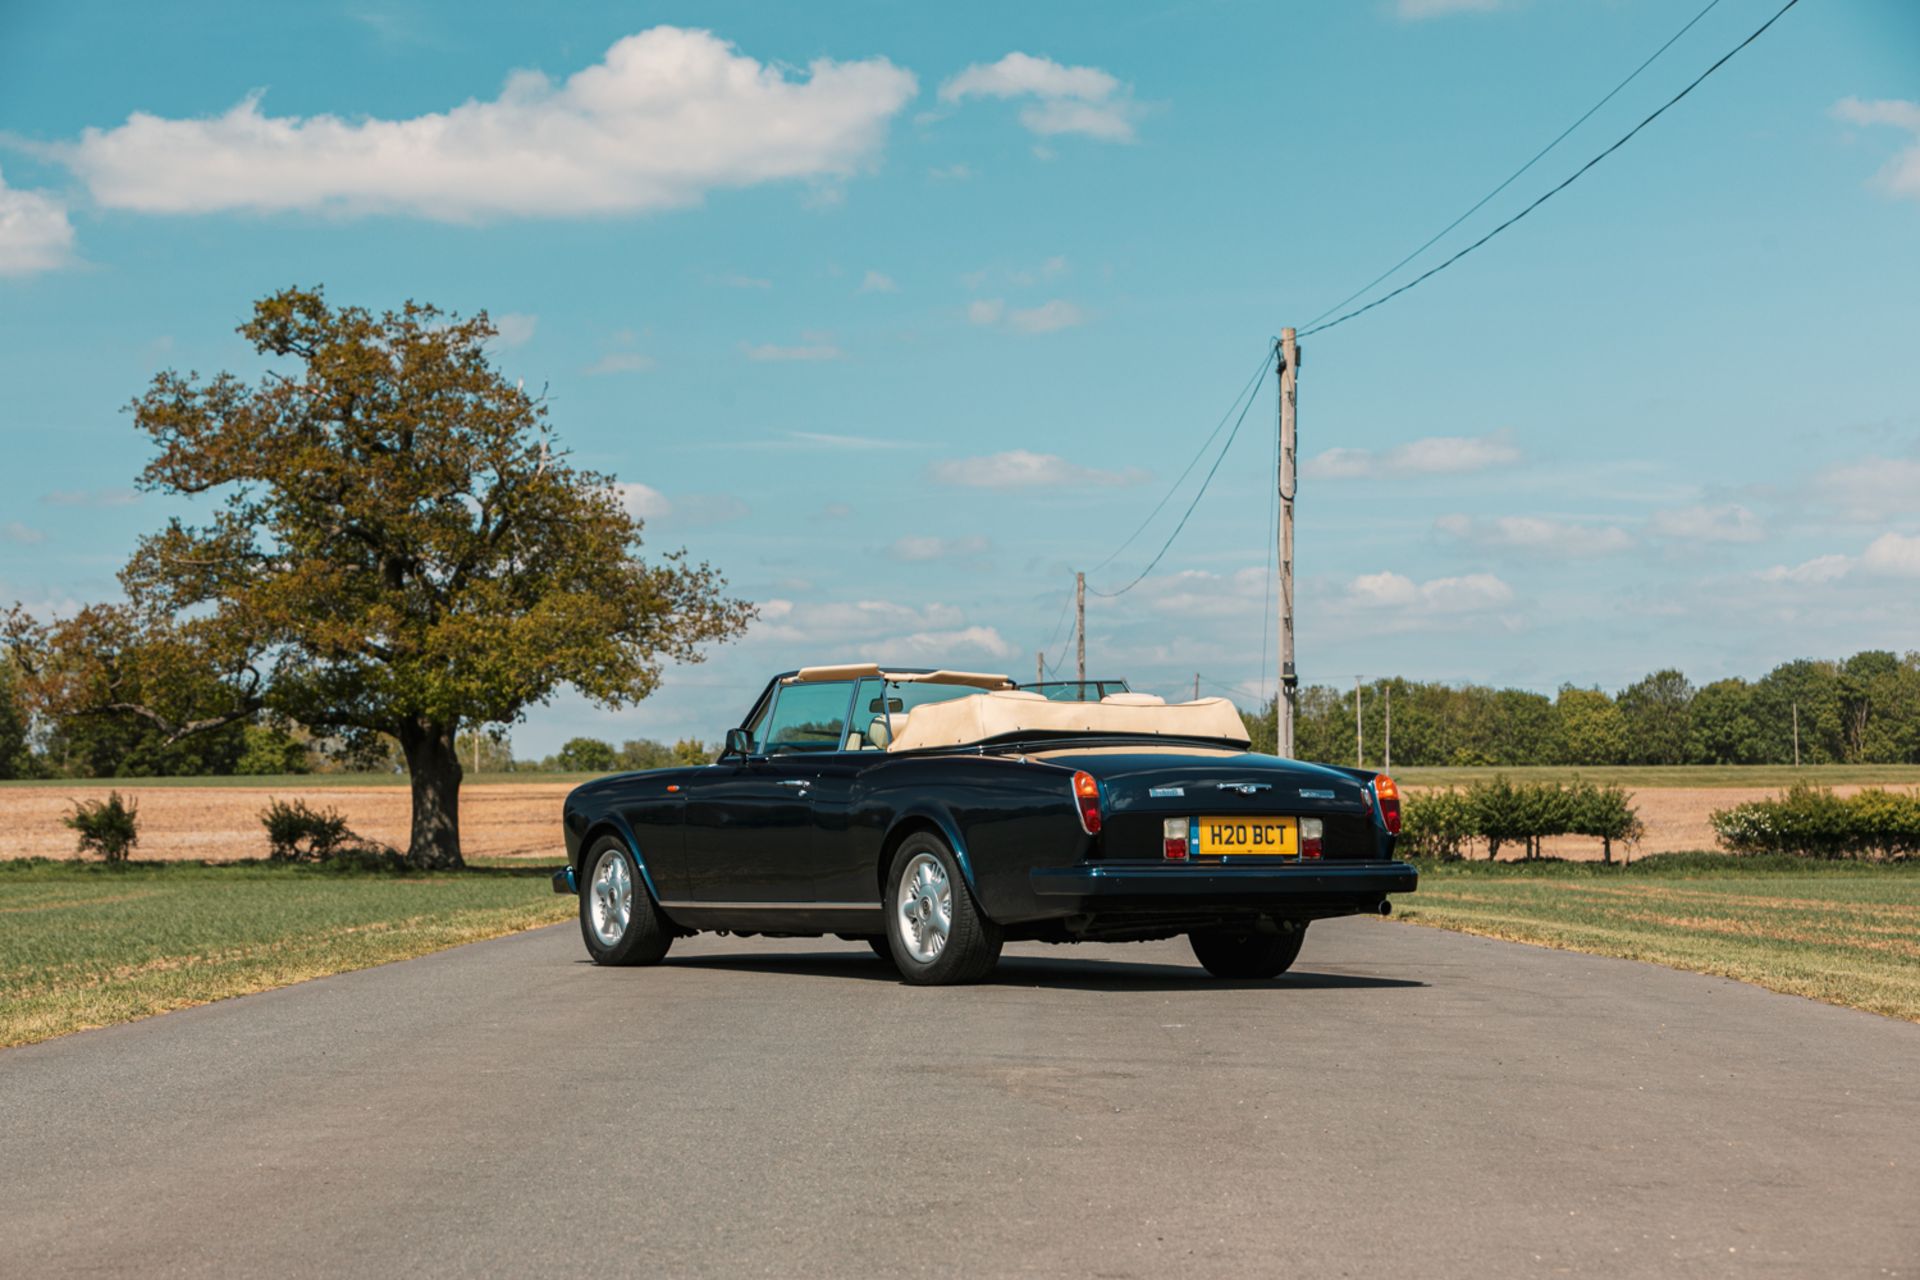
109,827
296,833
1605,813
1436,824
1813,822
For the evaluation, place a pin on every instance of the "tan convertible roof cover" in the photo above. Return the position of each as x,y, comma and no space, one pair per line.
960,721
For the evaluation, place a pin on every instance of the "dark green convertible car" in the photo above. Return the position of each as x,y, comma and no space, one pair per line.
936,815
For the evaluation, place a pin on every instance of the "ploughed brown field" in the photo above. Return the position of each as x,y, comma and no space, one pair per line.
522,819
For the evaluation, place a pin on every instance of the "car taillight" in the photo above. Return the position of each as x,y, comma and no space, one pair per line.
1174,843
1311,831
1086,794
1389,797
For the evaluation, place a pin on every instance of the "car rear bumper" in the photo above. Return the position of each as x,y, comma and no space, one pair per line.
1361,886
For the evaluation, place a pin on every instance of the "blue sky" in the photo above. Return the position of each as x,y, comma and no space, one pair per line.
898,328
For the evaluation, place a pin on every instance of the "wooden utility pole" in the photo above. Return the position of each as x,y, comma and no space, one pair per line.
1196,686
1359,742
1289,362
1386,762
1080,626
1040,666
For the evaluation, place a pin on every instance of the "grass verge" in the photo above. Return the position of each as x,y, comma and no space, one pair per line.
86,945
1846,933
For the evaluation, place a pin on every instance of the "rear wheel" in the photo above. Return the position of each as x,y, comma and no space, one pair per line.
617,916
882,948
935,930
1228,953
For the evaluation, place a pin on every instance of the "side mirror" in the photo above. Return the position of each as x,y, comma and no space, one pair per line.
739,743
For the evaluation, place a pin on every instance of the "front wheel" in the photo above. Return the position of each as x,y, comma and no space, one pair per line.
1228,953
936,931
617,916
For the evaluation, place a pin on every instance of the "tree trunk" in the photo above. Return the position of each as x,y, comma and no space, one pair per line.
1606,850
433,767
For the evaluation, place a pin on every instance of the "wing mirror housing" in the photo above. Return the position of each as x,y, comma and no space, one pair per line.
739,743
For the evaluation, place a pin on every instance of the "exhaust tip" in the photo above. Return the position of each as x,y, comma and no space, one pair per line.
1385,908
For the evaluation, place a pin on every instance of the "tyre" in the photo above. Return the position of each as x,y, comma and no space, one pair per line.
1228,953
882,947
618,919
935,930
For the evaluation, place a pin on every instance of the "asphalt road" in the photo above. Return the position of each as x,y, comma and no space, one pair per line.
1408,1101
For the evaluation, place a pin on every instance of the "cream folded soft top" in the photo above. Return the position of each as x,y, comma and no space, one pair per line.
977,717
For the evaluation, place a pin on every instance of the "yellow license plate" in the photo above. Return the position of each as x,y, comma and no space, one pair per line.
1238,837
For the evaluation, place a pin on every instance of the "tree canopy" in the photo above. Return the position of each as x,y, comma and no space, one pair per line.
396,546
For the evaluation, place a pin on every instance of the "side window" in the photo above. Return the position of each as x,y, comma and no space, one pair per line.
808,717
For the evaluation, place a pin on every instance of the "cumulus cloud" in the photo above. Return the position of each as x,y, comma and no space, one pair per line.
1537,535
621,362
514,329
1869,491
1081,100
34,232
919,549
1729,522
643,500
1022,469
1817,570
1474,593
666,116
1434,455
25,535
878,282
1893,554
1900,176
1049,317
817,347
881,628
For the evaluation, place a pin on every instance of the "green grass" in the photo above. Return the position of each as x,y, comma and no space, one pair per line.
1847,933
1684,775
292,781
85,945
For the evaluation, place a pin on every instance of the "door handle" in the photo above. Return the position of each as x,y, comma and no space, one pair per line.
802,783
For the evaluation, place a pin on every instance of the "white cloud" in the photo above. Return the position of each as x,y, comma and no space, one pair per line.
1893,554
1537,535
937,644
621,362
514,329
878,282
1817,570
25,535
643,500
1474,593
1414,10
666,116
1082,100
1870,491
34,232
1900,176
1729,522
919,548
986,311
828,440
1048,317
818,348
1021,469
1434,455
882,630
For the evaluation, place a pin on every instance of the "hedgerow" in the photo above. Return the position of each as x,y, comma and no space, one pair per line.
1813,822
1442,824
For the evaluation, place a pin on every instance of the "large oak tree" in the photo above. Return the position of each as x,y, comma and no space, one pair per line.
395,547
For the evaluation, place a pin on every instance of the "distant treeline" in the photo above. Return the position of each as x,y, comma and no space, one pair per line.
1865,710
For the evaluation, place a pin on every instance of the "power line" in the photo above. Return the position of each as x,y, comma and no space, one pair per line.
1258,375
1537,157
1224,450
1565,183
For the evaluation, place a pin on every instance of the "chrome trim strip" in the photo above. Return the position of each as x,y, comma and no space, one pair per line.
686,904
